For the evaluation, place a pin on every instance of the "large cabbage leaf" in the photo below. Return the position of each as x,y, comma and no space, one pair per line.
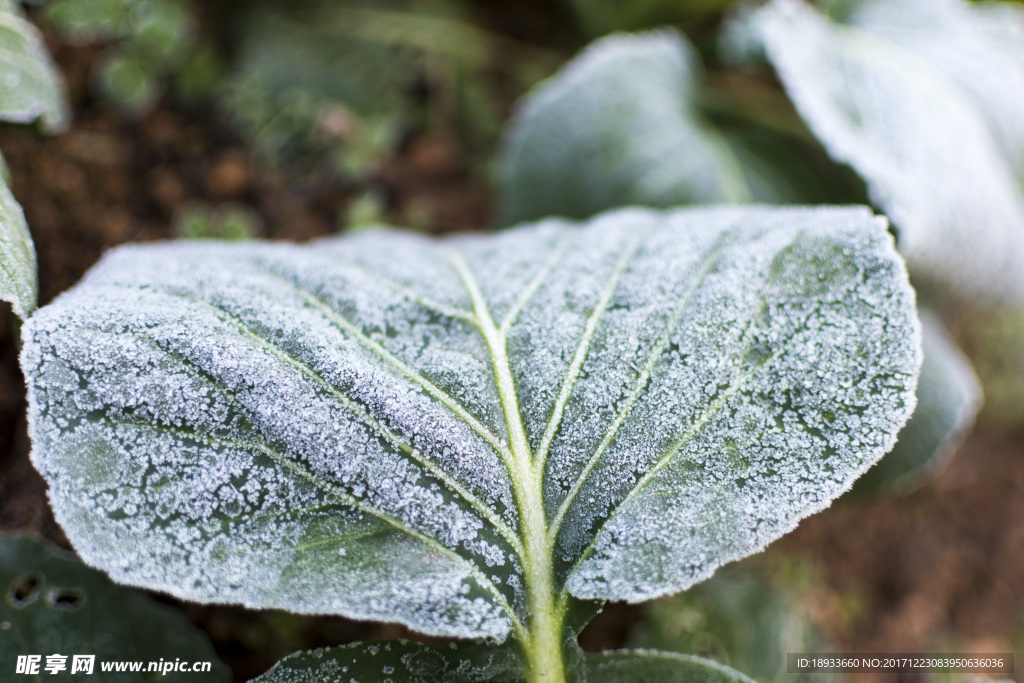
473,436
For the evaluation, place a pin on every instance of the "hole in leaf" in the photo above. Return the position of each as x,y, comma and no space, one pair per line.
25,590
65,599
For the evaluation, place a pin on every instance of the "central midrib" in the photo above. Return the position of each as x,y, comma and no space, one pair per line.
543,647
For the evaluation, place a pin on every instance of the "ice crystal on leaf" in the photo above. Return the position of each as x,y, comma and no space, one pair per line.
359,425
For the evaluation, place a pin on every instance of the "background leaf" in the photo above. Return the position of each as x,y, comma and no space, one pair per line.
616,127
628,122
32,86
402,662
914,134
53,604
740,619
657,667
979,46
442,432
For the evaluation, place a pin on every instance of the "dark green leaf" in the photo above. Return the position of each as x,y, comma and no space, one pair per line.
400,661
53,604
650,666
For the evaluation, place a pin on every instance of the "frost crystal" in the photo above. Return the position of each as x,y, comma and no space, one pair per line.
318,428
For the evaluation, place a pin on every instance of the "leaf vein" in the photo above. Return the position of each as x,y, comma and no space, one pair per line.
638,386
353,407
583,348
446,400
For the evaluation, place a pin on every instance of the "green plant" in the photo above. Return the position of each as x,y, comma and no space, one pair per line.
740,619
479,438
231,222
343,83
482,438
150,42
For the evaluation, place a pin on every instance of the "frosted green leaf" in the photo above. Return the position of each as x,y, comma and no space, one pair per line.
906,123
30,86
18,279
399,661
622,124
53,604
630,666
618,126
405,662
470,436
979,46
948,398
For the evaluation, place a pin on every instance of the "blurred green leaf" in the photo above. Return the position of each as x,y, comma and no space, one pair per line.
627,122
151,43
345,81
32,87
735,618
868,82
127,82
631,666
229,222
163,33
89,21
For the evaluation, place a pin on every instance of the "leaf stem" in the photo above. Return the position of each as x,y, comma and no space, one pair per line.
546,616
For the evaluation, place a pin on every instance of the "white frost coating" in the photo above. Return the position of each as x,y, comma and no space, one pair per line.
618,126
775,362
979,46
915,134
398,661
317,428
32,87
18,280
948,398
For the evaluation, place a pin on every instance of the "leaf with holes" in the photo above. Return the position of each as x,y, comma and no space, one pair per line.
53,604
935,139
475,437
